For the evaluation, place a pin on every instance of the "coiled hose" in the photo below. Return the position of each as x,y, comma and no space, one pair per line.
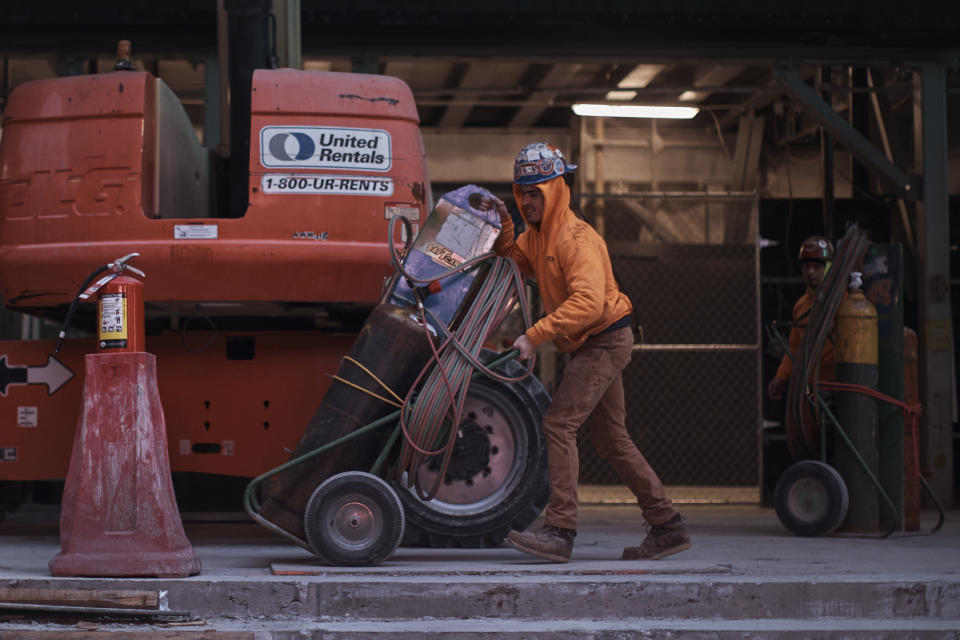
433,406
802,425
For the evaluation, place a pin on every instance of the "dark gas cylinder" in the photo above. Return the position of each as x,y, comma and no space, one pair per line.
393,345
857,363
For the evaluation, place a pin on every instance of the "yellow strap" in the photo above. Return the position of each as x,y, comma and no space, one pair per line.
379,381
367,391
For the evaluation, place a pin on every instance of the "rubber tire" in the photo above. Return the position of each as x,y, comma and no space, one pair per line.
13,494
354,487
811,498
524,403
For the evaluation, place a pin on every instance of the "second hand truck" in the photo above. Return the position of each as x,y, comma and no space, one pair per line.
811,497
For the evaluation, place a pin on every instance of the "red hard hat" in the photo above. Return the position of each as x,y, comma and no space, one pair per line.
816,248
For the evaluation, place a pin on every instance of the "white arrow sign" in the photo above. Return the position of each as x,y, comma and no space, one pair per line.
54,374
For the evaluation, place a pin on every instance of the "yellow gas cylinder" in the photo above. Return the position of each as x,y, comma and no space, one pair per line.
856,353
856,330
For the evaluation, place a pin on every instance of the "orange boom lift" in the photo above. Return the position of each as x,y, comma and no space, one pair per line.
260,268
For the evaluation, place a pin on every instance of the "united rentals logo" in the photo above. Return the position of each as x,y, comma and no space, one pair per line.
304,150
325,148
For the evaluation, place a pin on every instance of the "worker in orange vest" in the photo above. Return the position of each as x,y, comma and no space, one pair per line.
816,255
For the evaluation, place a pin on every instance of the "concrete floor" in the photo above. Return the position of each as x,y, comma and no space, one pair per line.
745,540
745,572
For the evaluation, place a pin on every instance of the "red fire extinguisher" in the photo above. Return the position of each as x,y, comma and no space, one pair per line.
120,315
119,516
120,326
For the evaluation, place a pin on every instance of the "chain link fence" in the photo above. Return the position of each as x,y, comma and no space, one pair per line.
689,261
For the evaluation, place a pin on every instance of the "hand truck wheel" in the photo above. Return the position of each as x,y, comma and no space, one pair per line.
354,518
811,498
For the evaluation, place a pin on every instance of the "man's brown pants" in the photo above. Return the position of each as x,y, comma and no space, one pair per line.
591,391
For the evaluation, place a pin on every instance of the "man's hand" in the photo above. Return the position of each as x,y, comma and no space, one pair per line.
525,346
776,387
495,203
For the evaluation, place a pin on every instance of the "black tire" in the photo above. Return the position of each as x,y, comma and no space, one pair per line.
354,519
479,503
811,498
12,496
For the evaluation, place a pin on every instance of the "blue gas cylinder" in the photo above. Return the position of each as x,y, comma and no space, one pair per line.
453,233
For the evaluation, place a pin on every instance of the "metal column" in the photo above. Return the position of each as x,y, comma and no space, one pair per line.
936,335
883,285
288,33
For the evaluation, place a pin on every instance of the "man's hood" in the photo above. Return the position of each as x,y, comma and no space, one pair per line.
556,204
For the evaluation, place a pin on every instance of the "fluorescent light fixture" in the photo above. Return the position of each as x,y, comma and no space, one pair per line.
634,111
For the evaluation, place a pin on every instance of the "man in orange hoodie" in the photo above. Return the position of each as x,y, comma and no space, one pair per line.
588,317
816,253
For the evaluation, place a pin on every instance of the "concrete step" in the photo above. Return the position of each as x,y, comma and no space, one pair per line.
512,629
621,595
630,597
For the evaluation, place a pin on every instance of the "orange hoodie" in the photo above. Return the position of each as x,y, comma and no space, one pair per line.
801,317
570,262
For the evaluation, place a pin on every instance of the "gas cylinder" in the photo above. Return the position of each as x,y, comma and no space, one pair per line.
857,356
393,346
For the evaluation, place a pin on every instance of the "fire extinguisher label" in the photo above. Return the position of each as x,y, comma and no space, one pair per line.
113,321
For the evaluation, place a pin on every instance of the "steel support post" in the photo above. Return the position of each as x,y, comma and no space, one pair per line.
828,202
936,331
883,286
860,120
288,38
211,102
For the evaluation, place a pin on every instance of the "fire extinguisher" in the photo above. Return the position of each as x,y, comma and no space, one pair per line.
120,325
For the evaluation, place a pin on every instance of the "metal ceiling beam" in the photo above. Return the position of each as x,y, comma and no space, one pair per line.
558,76
791,83
488,76
708,78
640,77
399,69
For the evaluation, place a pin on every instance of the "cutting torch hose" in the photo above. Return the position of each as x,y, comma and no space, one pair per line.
434,404
802,425
911,416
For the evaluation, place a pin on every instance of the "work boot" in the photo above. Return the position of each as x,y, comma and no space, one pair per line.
548,542
662,540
